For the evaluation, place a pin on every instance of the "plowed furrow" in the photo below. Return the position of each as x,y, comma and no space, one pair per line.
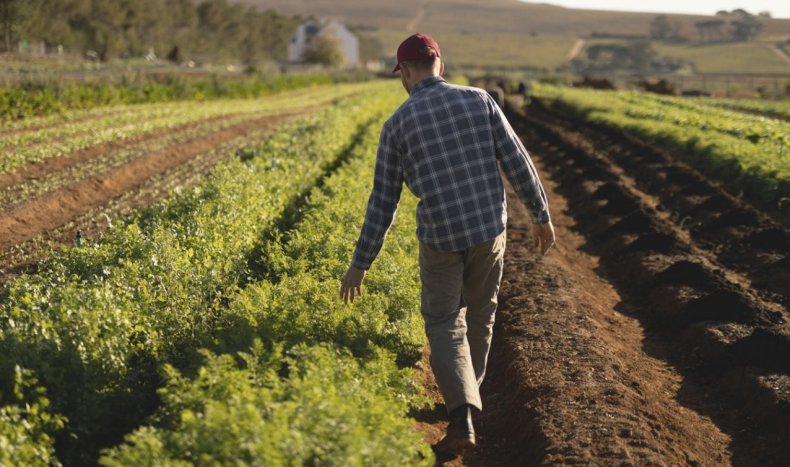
740,237
728,338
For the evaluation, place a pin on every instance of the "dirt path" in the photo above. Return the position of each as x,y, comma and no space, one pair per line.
630,343
577,48
778,51
412,25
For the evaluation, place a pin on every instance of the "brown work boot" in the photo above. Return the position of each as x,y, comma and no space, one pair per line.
460,432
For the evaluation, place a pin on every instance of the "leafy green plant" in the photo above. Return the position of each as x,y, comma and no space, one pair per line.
43,99
32,143
25,426
96,323
311,406
337,396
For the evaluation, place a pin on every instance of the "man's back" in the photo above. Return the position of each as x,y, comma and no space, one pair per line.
444,143
449,162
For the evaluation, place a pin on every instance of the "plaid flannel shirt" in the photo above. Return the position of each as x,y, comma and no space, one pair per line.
444,142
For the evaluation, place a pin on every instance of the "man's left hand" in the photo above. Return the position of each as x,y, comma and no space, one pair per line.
543,237
352,284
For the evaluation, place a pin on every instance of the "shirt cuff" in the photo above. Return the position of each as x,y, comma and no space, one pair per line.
360,264
542,217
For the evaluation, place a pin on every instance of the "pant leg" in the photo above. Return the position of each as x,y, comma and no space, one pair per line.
442,276
482,276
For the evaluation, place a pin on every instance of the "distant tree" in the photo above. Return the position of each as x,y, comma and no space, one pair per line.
660,27
710,30
17,17
746,28
212,29
8,15
676,29
632,55
764,14
104,25
325,51
640,55
182,31
369,47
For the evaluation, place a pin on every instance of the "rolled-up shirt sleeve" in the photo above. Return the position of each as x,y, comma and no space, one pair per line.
518,166
383,201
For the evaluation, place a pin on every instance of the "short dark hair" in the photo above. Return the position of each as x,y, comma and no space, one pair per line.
422,65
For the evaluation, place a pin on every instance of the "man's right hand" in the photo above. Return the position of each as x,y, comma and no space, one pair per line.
543,237
352,284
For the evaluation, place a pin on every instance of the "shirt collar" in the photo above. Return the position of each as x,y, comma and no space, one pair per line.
426,83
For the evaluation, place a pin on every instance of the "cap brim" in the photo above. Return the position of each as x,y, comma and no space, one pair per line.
397,68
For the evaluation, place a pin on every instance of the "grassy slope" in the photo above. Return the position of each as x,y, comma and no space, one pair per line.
750,57
509,25
463,48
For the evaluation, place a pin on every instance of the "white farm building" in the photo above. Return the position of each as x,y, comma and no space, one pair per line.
300,41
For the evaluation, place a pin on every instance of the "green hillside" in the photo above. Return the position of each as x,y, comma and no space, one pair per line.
749,57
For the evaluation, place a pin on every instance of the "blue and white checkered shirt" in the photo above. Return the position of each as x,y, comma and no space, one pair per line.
444,142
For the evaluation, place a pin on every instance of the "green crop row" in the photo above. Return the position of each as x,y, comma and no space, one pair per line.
43,99
773,108
27,147
95,324
55,180
344,401
682,112
749,154
75,121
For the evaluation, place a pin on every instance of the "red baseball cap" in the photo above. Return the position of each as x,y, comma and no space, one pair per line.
417,47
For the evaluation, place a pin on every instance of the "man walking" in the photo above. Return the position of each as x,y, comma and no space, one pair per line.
445,142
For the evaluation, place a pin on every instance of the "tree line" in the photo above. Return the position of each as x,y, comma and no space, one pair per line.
200,30
743,26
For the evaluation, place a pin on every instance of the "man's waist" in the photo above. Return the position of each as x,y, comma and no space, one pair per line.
459,240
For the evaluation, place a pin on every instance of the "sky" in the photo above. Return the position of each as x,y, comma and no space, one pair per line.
778,8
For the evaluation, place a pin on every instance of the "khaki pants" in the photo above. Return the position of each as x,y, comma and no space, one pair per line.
459,299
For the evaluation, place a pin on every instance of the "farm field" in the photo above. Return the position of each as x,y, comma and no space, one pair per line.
742,145
57,169
751,57
198,321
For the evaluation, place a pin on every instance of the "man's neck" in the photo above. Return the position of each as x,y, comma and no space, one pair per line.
419,78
